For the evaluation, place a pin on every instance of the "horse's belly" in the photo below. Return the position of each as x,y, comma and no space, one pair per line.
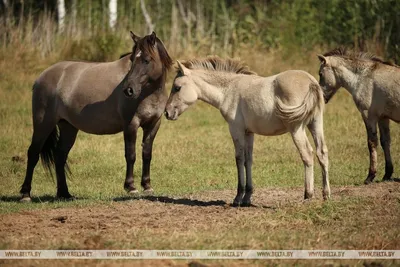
268,126
94,121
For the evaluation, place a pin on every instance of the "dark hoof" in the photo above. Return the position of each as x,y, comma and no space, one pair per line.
386,179
246,204
236,204
369,181
65,197
25,199
308,196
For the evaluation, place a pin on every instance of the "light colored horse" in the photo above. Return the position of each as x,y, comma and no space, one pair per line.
375,87
98,98
286,102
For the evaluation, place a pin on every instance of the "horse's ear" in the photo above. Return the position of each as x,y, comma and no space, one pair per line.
185,71
152,38
322,59
134,37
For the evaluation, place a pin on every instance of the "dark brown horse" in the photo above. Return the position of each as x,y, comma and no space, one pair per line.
98,98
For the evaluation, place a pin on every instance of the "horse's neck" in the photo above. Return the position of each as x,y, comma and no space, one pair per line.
349,78
210,90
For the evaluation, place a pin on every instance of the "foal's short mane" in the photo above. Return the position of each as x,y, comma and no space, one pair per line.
146,46
218,64
350,54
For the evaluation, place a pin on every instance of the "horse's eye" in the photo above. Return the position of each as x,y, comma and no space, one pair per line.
146,61
177,88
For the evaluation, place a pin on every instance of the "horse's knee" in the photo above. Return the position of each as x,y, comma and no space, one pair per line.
308,158
130,158
322,155
146,153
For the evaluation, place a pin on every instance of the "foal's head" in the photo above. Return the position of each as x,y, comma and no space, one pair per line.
183,93
150,61
327,78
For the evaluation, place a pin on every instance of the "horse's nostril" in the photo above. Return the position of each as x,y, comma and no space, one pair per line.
166,114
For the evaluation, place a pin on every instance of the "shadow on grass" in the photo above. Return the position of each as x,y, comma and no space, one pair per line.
37,199
189,202
179,201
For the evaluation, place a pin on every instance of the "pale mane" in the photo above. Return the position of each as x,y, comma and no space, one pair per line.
216,63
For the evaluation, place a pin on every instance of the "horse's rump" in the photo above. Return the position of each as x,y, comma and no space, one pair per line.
312,105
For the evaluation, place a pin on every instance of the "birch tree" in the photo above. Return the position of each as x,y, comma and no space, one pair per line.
61,14
112,6
147,17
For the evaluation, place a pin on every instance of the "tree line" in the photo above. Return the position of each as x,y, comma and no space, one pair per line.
217,26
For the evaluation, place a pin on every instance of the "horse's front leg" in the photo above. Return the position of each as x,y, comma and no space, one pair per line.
248,162
384,132
239,142
149,133
130,132
370,125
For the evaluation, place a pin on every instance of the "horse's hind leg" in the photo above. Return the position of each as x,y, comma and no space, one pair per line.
41,132
385,143
149,133
317,131
305,149
67,139
370,125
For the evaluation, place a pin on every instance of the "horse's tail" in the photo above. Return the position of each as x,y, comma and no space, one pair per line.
47,154
313,104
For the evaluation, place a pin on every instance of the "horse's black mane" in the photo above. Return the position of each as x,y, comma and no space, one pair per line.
351,54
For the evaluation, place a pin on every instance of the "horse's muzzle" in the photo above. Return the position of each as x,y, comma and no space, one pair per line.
170,115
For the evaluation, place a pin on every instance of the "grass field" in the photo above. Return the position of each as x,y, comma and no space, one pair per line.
194,176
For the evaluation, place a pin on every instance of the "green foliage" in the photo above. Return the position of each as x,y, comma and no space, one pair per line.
210,26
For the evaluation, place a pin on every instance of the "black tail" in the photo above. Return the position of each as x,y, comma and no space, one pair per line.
48,153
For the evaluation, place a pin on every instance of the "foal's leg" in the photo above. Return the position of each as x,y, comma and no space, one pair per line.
248,162
149,133
130,132
317,131
370,125
306,152
239,142
385,143
67,139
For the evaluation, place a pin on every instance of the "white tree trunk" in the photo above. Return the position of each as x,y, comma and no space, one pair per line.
74,13
61,14
112,6
147,17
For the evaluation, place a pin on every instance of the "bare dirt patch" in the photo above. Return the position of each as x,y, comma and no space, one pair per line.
363,217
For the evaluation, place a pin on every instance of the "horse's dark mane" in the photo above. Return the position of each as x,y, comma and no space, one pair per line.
125,54
146,46
351,54
218,64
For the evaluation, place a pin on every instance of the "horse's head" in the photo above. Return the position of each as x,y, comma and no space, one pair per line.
183,93
150,61
327,78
